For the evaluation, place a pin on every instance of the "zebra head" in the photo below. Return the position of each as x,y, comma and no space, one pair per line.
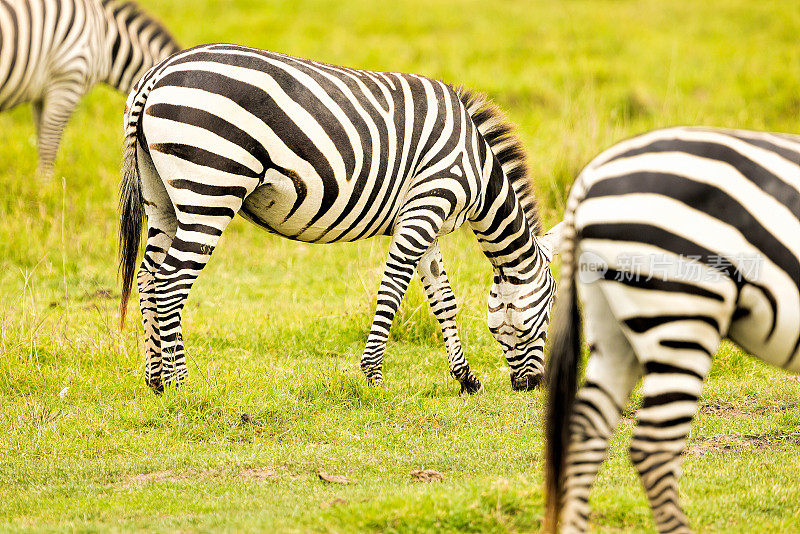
519,312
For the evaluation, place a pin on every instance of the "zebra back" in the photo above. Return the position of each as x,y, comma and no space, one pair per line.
135,42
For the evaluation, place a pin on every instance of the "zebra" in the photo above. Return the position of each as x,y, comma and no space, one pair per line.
321,153
675,240
52,52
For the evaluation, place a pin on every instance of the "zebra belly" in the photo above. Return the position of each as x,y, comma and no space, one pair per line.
270,206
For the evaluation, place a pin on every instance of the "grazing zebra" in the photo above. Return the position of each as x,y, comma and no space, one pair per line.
53,51
320,153
675,239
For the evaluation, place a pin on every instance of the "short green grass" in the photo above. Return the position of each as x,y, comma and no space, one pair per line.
274,329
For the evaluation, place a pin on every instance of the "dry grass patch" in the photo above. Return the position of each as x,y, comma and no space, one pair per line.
747,408
734,442
270,472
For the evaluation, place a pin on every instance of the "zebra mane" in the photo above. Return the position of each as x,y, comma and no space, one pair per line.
506,146
132,26
137,12
134,11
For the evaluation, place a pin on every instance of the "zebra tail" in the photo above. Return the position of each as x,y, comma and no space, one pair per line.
562,377
131,203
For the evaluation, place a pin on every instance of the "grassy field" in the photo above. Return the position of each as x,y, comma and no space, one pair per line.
274,329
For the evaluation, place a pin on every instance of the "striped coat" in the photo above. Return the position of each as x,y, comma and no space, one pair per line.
675,240
322,153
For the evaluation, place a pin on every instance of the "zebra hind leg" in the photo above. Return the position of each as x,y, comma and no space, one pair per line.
51,116
611,373
414,233
203,211
670,389
443,304
194,242
161,228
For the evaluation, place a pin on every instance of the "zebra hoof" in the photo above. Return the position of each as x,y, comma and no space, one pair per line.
526,383
156,385
471,385
376,382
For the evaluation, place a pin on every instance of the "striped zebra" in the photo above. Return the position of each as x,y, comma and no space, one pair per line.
675,240
52,52
321,153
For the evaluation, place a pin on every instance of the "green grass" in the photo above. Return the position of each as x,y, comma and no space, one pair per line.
274,329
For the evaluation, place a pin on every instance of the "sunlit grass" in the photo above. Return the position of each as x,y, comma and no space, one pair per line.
274,329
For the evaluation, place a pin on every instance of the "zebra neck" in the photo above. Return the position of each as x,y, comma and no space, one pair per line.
502,229
134,42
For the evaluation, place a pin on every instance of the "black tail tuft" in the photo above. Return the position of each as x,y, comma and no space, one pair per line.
131,218
562,378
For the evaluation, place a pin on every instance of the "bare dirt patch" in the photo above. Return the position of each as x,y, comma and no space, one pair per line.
167,476
427,475
338,501
335,479
734,442
270,472
260,473
102,293
94,300
144,478
745,409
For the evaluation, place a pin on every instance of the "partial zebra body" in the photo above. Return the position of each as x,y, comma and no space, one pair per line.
40,48
314,164
675,240
52,52
321,153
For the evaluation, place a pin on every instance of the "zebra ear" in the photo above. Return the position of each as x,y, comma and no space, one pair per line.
551,241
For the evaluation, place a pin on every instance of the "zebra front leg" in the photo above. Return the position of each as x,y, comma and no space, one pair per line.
36,107
414,233
51,116
443,304
670,389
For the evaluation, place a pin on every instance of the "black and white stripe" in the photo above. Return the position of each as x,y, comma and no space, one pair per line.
321,153
53,51
675,240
